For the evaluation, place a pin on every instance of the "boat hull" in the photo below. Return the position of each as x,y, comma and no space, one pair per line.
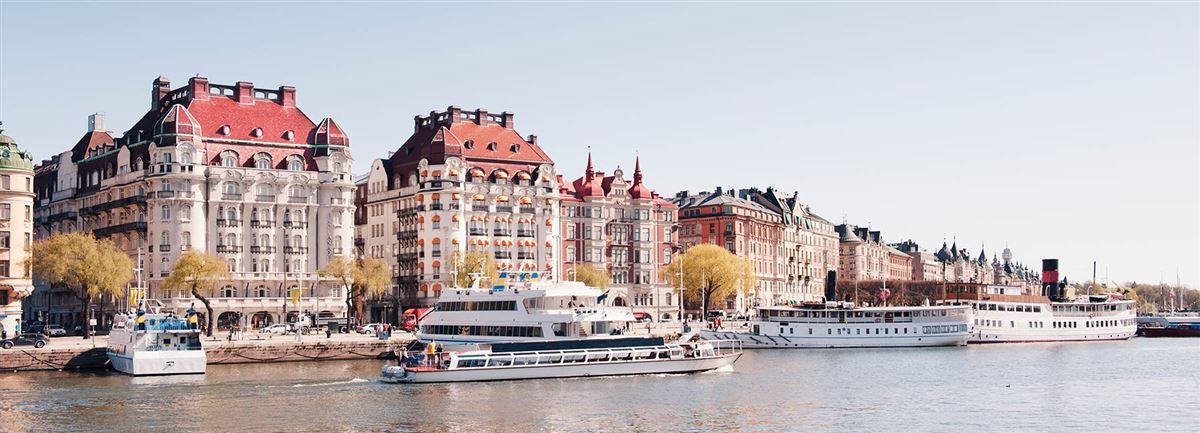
1168,332
752,341
397,374
150,363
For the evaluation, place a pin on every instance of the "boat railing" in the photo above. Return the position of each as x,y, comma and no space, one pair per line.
725,347
443,361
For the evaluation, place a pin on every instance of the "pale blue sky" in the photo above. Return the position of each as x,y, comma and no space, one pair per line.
1063,130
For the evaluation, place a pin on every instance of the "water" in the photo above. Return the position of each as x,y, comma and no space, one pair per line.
1136,385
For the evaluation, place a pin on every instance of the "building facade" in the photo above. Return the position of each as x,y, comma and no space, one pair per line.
234,170
745,228
463,181
16,231
925,266
863,256
809,248
624,228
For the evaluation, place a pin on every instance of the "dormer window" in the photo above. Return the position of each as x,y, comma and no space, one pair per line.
262,160
492,146
516,148
470,144
295,163
289,135
229,158
256,133
223,130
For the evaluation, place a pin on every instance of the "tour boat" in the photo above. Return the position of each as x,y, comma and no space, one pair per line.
523,308
1003,314
844,325
1178,325
562,358
152,343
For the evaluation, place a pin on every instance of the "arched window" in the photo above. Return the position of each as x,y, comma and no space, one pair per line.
262,160
185,239
231,214
337,167
232,187
231,240
294,163
297,241
297,191
166,213
265,240
232,265
229,158
166,237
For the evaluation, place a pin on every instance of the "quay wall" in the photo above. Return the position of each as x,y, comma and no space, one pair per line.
20,359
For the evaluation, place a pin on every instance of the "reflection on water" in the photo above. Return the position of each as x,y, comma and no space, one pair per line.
1135,385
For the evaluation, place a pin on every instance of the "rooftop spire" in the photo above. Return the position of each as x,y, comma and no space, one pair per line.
589,172
637,170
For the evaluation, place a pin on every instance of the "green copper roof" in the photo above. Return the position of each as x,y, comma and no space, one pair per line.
12,157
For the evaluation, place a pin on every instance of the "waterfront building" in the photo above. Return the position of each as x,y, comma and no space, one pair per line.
625,228
745,228
809,248
463,181
925,266
863,256
960,267
234,170
16,230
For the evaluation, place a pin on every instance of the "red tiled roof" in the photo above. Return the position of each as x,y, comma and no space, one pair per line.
274,120
90,141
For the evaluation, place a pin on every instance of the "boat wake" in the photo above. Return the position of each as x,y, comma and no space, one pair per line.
340,382
723,369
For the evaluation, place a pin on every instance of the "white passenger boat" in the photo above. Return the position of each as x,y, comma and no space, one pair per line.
155,344
843,325
562,358
1004,314
523,309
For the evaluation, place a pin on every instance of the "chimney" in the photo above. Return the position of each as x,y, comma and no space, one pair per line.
198,87
508,122
161,88
95,122
454,113
287,96
481,117
831,286
245,92
532,138
1050,279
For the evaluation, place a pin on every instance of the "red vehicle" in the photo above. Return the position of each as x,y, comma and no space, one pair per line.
412,318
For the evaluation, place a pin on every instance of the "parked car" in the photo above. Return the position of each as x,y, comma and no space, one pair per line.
26,339
277,328
54,331
369,328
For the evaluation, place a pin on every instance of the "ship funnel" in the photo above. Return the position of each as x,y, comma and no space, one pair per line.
831,286
1050,284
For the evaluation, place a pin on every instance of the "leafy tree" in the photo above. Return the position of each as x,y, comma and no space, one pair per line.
710,273
199,273
593,276
87,266
371,278
342,269
473,262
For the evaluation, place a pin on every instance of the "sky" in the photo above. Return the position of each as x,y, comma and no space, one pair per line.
1064,130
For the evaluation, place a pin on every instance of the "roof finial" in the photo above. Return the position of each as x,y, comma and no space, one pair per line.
590,171
637,169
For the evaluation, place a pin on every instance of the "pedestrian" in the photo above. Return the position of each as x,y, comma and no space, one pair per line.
3,333
328,333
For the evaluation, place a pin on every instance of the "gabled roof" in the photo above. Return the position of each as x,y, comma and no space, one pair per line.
480,139
91,141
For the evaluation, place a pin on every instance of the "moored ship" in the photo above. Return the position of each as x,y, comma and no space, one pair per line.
1171,325
151,343
1006,314
845,325
523,308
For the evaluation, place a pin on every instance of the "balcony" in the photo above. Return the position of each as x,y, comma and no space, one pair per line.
265,198
295,225
435,253
120,228
337,201
526,256
164,248
228,223
295,250
435,206
337,251
479,207
503,254
165,194
477,231
297,200
506,209
262,224
262,250
525,233
407,257
135,199
227,249
527,210
502,232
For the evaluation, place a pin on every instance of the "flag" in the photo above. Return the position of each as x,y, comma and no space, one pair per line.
602,296
885,294
295,296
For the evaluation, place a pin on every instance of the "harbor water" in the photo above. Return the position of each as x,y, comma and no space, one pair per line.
1136,385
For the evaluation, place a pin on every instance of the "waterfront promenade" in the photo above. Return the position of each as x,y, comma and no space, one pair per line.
77,353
